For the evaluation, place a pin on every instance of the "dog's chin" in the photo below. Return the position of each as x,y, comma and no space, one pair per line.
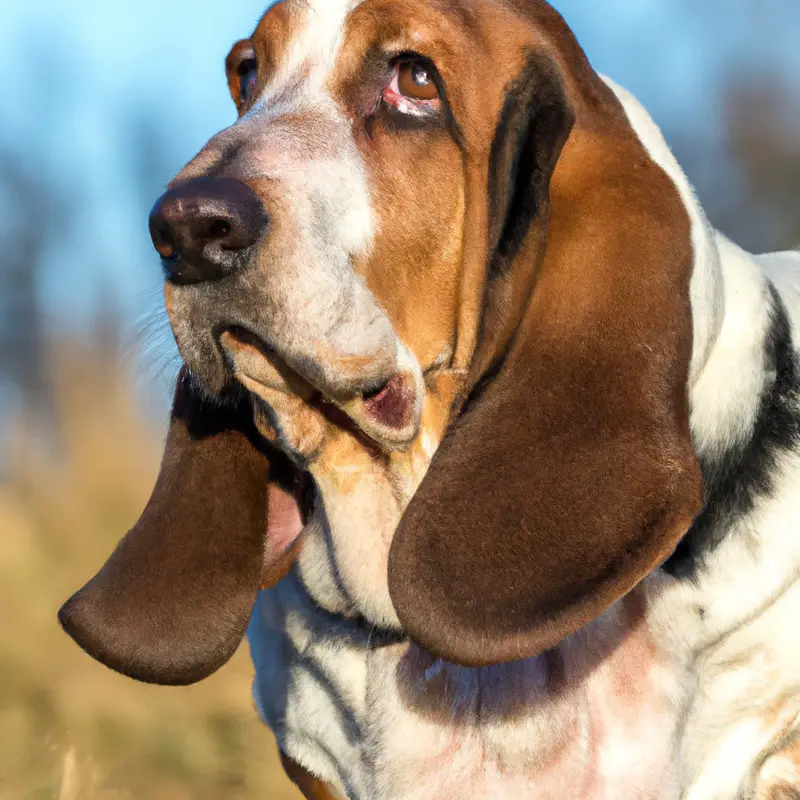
383,413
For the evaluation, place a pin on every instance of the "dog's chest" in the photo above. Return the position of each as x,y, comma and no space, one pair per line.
595,719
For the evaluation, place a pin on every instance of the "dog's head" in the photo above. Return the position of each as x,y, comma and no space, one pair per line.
433,205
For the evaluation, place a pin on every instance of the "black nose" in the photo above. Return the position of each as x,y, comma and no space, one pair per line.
201,228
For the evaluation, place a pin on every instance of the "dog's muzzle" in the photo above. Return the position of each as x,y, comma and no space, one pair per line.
237,315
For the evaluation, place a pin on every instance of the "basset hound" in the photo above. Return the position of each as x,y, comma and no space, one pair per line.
507,433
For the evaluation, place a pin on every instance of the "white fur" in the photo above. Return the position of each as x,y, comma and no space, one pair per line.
339,704
313,51
301,84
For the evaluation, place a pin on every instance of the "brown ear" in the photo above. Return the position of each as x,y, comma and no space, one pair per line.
570,474
171,604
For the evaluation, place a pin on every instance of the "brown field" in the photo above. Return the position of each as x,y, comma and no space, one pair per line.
70,729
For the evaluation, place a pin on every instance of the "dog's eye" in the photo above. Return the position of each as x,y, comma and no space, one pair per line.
413,89
248,76
416,82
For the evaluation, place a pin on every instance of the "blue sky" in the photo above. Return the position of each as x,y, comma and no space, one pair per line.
79,68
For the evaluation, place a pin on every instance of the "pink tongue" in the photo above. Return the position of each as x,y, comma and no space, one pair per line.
284,525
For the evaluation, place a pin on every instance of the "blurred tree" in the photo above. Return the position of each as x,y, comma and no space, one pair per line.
36,213
150,160
746,168
762,130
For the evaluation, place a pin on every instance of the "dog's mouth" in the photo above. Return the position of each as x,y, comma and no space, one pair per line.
383,413
292,497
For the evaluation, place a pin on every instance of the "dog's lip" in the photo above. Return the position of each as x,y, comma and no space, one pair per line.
336,416
392,403
384,416
392,408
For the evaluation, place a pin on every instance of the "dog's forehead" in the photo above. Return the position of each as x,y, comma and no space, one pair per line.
303,39
300,40
306,48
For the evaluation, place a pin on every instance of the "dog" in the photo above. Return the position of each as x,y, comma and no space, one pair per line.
485,437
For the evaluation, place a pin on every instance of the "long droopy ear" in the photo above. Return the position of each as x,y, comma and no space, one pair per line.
171,604
570,473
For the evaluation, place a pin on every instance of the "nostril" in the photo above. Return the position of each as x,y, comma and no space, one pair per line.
164,242
218,229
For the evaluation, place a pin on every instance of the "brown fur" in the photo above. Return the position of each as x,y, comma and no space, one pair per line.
172,603
589,319
778,775
238,52
269,42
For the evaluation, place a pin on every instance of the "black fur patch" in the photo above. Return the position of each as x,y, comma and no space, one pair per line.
747,470
534,124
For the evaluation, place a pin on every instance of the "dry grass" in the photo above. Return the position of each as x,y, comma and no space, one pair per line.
69,729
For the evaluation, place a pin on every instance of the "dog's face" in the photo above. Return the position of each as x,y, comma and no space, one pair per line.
358,126
429,218
366,145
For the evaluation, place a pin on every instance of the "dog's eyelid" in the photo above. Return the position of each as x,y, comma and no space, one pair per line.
241,53
246,66
413,57
245,72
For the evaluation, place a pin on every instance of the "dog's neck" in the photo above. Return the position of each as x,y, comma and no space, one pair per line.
743,391
745,420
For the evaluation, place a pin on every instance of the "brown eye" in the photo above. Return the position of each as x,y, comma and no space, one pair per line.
414,80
